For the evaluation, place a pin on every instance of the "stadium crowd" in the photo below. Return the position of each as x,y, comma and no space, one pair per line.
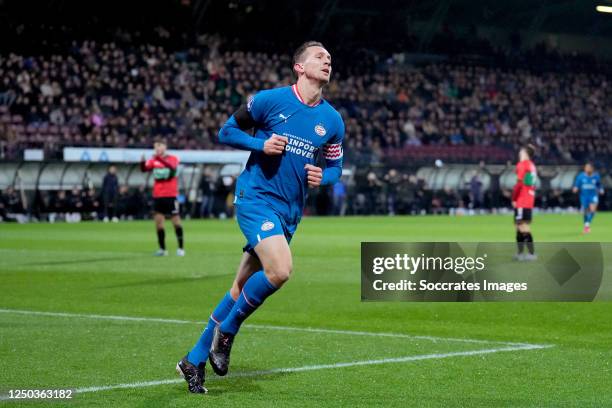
123,92
105,94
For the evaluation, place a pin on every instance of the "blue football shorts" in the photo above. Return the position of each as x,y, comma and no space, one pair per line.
587,200
258,221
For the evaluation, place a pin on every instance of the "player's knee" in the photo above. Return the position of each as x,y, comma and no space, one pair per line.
279,274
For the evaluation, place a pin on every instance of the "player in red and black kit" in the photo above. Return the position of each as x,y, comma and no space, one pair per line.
523,199
165,190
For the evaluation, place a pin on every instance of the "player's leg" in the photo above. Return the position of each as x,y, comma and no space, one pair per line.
105,211
585,207
161,233
525,229
268,236
524,238
114,203
191,367
249,264
178,230
275,258
520,242
591,207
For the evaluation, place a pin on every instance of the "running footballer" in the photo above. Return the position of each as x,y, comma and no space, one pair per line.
292,125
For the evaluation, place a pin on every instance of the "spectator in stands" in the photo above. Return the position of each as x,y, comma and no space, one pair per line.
3,210
207,195
476,194
143,200
392,180
58,206
372,190
91,204
144,91
39,205
13,206
123,210
95,93
75,205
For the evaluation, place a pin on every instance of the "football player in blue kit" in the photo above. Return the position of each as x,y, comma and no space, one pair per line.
292,125
588,185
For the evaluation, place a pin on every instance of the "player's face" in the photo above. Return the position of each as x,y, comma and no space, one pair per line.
588,168
160,148
522,155
317,64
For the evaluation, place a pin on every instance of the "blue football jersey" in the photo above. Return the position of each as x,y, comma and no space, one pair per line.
281,181
588,185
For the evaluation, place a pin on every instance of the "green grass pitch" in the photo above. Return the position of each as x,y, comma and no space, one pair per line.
324,347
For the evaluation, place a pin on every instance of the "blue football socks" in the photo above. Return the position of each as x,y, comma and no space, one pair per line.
256,289
588,217
199,353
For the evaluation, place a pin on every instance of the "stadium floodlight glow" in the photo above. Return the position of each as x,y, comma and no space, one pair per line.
604,9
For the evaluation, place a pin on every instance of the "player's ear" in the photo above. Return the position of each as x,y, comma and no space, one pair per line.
298,68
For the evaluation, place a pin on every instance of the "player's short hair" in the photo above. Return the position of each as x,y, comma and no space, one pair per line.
530,150
161,140
299,52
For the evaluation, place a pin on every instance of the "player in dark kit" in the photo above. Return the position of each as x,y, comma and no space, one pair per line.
293,126
165,189
523,199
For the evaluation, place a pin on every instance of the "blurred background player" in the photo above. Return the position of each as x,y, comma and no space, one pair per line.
292,125
588,184
523,199
165,192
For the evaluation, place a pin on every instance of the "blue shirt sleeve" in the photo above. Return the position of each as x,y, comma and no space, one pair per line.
259,106
333,154
230,134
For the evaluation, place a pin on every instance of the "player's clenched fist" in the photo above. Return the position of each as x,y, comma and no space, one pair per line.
275,145
315,175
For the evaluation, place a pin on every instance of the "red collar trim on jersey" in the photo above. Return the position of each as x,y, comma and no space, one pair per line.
297,95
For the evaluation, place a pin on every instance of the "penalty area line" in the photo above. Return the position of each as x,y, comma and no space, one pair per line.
317,367
268,327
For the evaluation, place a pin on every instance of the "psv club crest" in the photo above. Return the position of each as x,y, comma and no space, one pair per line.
320,130
267,226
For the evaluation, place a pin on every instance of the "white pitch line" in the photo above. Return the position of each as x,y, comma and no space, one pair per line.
383,334
266,327
95,316
315,367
